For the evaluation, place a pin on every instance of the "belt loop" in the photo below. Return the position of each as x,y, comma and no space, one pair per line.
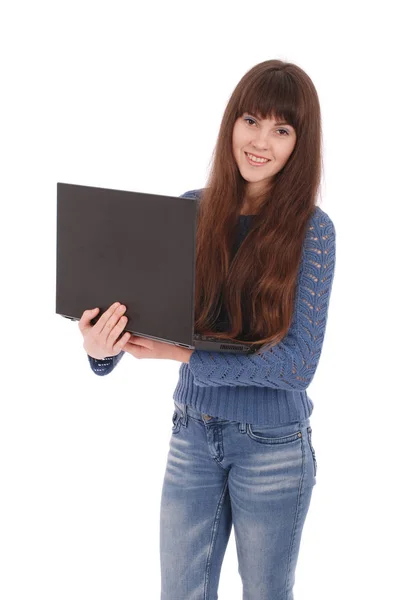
185,416
242,427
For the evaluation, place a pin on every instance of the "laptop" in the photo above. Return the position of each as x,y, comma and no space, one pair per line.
135,248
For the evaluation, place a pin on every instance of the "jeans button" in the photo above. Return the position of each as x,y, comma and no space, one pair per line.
206,416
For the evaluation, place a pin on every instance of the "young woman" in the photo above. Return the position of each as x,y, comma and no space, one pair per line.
241,448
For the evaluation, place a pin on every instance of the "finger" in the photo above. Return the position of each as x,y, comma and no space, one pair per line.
135,350
141,341
123,342
87,316
109,318
116,334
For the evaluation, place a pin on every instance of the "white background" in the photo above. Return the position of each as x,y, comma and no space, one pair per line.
130,96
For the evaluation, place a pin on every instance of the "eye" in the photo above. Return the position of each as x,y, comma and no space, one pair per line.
253,121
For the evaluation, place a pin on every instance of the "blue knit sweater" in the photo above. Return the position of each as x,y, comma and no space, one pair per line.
269,387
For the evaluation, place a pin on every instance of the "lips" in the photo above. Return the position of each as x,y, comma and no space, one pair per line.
257,155
256,164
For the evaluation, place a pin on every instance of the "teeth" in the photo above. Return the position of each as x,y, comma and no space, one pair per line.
256,159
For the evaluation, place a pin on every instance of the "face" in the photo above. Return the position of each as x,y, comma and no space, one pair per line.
263,138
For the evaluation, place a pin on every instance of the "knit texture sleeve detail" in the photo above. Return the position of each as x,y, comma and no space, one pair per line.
291,364
106,365
192,194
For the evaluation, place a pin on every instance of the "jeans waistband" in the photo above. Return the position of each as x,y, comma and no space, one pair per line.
192,412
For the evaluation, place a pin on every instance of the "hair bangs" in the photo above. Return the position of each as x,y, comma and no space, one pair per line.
273,97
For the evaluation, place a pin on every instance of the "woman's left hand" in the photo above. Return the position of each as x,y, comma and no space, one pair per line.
146,348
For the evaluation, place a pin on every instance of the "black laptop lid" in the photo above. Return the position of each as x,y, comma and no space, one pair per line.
131,247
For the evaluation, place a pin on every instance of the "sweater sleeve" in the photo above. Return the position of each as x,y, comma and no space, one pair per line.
106,365
290,364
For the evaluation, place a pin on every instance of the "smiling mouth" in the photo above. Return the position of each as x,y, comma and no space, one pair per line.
256,163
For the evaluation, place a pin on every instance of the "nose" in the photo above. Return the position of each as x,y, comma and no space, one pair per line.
260,142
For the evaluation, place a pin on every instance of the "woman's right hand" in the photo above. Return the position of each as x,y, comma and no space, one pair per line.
100,340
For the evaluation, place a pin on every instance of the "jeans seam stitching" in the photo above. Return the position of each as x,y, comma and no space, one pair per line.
296,518
214,532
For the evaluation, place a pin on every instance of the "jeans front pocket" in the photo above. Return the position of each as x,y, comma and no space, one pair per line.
266,434
309,429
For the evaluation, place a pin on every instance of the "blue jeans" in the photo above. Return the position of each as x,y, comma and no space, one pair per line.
221,473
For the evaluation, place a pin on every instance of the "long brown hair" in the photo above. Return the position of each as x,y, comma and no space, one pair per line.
257,286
